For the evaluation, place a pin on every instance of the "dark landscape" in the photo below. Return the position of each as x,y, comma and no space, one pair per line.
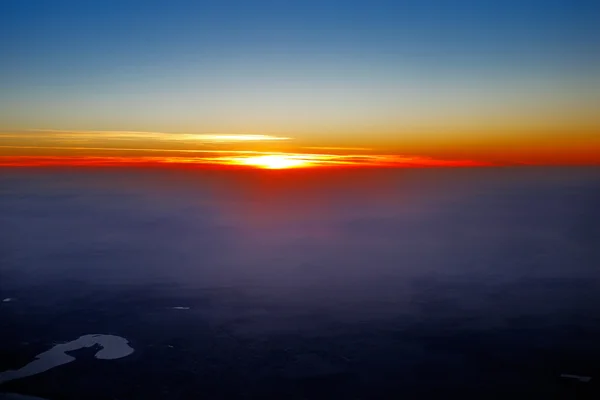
417,283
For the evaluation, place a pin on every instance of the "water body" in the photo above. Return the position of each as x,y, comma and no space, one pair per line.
293,284
14,396
112,347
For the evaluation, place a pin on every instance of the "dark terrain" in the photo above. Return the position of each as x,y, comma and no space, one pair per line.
379,284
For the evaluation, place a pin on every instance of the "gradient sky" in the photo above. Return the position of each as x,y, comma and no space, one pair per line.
499,82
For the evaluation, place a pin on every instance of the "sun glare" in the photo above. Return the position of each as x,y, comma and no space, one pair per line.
275,162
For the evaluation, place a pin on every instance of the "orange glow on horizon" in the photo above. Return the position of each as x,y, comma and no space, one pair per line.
275,162
264,151
266,161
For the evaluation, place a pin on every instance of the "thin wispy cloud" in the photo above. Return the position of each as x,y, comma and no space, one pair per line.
338,148
103,148
89,135
130,149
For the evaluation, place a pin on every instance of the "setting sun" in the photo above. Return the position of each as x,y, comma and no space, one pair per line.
275,162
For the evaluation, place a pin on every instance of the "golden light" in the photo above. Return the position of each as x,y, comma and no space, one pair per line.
275,162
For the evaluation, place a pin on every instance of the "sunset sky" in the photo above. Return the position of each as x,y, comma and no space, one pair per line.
294,83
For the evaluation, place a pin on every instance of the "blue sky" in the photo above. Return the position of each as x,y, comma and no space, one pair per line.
302,68
93,36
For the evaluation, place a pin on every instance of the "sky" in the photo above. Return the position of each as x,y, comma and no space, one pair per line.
427,82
